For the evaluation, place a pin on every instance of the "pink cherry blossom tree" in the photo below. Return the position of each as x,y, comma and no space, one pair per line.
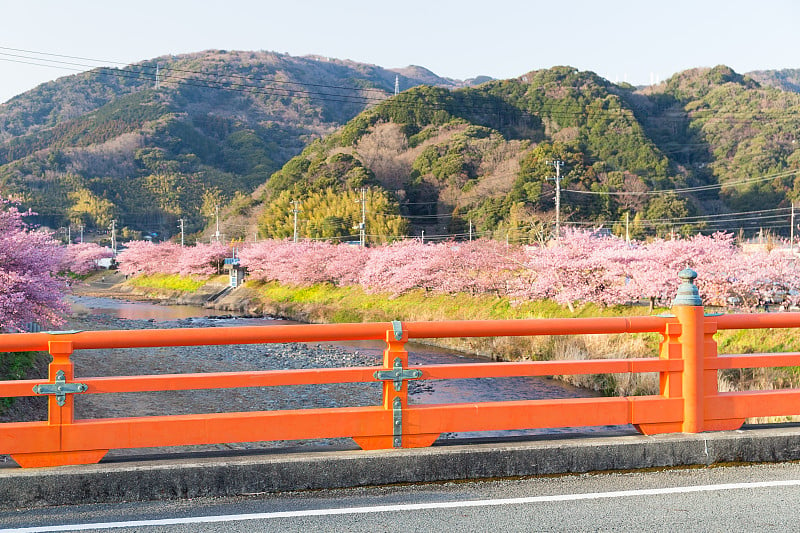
258,258
398,267
580,267
145,257
30,290
202,259
82,258
304,263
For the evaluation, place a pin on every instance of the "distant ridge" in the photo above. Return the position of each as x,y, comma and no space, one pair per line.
426,77
785,79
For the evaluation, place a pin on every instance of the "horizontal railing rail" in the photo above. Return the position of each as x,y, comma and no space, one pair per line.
687,365
109,339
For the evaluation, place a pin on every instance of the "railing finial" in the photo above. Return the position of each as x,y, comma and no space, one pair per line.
687,291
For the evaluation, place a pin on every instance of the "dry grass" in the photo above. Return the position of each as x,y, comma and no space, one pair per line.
584,347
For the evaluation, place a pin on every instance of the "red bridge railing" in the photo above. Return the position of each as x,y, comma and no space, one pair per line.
688,399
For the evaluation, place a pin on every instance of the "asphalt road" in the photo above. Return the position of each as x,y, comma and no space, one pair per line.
746,498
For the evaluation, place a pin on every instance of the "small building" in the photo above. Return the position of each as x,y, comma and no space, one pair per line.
236,271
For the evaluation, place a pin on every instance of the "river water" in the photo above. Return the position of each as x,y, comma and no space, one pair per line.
421,391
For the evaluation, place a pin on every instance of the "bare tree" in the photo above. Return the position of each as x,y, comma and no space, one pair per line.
380,151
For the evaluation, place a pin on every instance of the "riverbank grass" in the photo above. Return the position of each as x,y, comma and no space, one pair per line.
326,303
168,282
323,300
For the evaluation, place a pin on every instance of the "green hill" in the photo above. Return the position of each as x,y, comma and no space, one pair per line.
448,160
108,144
736,131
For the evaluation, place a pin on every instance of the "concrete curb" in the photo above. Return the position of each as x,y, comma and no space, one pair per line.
175,478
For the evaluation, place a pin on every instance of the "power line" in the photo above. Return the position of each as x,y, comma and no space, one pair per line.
772,218
211,84
190,71
761,213
131,72
401,101
551,109
784,174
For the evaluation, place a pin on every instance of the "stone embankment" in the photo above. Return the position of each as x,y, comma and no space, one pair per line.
112,284
213,294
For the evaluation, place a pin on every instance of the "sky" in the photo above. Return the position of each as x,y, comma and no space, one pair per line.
640,42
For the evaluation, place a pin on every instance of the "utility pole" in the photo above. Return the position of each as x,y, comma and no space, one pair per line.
627,227
295,210
69,233
557,164
422,239
81,227
470,229
791,233
363,226
181,226
157,73
114,238
217,214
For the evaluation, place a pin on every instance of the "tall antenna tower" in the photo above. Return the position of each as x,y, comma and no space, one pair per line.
157,74
396,85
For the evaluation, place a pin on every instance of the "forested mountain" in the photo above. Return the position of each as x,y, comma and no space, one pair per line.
121,144
478,157
267,137
737,132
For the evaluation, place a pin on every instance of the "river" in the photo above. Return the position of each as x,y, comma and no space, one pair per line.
421,392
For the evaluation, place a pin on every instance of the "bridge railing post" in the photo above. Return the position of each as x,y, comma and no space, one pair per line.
691,340
60,410
683,340
699,354
60,413
401,432
688,309
395,392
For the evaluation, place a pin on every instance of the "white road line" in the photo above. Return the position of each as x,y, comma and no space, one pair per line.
404,507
